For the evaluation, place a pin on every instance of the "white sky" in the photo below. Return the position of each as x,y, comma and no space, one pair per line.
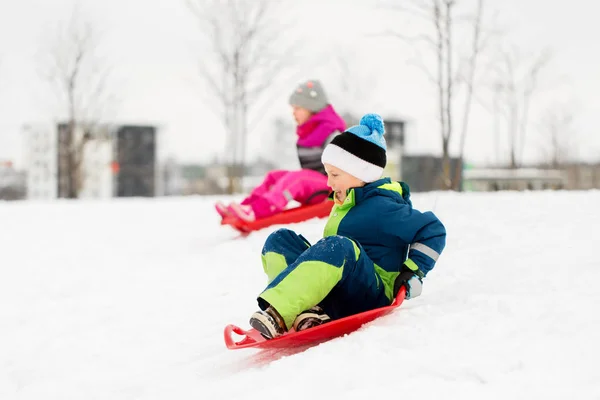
128,299
155,77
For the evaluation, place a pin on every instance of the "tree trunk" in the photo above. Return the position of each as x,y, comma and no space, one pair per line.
446,168
71,192
448,181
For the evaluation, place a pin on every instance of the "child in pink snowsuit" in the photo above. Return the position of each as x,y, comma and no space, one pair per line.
317,123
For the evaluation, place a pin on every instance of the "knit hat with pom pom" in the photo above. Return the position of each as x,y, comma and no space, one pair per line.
360,150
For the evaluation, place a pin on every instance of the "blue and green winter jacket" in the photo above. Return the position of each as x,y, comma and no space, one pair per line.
380,218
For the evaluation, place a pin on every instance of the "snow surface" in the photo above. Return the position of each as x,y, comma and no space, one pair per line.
127,299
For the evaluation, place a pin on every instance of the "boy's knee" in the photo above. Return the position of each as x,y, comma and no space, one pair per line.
337,245
279,238
276,236
282,232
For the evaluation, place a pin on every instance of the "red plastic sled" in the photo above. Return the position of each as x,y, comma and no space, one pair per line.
318,334
297,214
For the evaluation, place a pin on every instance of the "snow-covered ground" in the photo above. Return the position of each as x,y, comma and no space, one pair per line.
128,299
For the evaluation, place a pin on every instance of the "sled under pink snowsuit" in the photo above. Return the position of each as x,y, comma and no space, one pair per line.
307,185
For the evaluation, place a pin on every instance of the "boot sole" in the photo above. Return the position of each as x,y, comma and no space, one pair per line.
261,324
321,318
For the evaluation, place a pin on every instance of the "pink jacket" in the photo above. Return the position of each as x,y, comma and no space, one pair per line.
315,131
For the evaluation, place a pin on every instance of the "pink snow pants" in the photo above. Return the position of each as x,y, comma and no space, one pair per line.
280,187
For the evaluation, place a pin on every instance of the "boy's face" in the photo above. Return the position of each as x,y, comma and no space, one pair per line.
301,115
340,181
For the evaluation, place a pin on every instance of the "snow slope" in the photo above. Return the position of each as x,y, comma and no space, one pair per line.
128,299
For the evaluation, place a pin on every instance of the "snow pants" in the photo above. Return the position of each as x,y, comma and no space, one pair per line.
334,273
280,187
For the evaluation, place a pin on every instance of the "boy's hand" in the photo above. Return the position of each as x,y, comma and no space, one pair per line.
411,281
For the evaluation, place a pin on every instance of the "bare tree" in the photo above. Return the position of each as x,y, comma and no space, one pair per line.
455,67
245,60
516,83
556,126
468,77
72,66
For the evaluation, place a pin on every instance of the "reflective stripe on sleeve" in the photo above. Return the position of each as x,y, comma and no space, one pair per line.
428,251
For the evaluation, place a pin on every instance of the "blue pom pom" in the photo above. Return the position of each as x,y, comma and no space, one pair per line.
374,122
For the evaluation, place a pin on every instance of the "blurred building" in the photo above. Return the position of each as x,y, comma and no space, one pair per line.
423,173
41,149
12,182
192,179
493,179
170,179
395,137
134,161
208,179
118,161
582,176
574,176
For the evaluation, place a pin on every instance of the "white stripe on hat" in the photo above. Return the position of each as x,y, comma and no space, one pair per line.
348,162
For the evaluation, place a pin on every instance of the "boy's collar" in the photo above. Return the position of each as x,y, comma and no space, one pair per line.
355,193
349,201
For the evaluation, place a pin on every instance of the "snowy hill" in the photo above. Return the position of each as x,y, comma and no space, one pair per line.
128,299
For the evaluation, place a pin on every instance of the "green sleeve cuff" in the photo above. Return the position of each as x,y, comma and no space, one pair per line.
413,267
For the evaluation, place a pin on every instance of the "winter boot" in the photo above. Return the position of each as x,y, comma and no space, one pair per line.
222,209
310,318
243,212
268,322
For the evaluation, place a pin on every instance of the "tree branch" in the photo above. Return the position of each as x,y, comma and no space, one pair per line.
243,41
421,10
80,79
